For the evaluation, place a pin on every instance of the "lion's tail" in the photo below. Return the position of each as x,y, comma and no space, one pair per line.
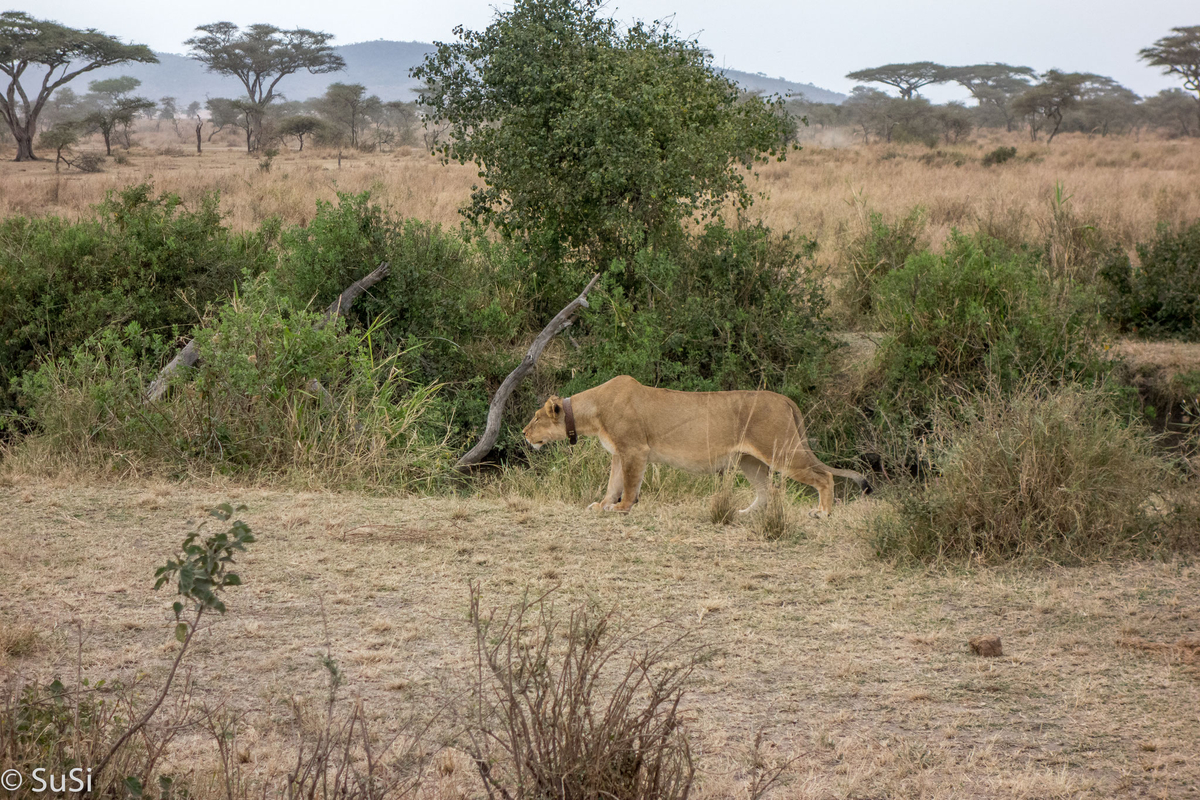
857,477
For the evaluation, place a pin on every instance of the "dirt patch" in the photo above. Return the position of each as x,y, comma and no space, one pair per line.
855,666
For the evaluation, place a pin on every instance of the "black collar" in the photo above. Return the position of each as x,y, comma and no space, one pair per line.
570,415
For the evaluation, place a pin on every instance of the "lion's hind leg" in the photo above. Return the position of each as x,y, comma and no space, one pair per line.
759,475
821,480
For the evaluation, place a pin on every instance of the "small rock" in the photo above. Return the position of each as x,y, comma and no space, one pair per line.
987,646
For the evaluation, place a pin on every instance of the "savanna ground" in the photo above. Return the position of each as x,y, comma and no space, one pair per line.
859,667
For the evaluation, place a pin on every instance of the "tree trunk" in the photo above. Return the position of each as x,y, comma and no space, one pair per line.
24,144
496,410
107,142
199,125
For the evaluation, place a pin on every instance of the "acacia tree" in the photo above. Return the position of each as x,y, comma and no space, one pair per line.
260,57
908,78
1046,102
1104,104
993,84
300,127
591,139
114,108
1174,110
347,106
1178,54
60,54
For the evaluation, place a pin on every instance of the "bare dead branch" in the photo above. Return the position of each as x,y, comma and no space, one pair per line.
190,355
561,321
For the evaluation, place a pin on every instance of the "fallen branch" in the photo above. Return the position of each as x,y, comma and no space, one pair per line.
189,355
561,321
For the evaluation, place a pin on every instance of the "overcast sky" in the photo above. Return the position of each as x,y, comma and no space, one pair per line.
810,42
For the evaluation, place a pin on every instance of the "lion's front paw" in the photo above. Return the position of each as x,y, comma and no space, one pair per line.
595,507
818,514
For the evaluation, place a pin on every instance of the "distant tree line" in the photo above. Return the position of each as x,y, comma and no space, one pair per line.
1044,104
262,56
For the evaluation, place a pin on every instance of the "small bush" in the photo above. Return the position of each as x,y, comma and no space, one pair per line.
1038,475
879,250
979,313
89,162
249,406
579,710
999,156
144,259
1161,296
721,507
776,519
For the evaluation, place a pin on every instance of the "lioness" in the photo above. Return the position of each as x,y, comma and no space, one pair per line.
695,431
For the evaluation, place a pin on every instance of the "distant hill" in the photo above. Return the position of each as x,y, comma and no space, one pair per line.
382,66
757,82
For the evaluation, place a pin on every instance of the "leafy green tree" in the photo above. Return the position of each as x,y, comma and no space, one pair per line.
60,139
114,109
1045,102
347,106
908,78
954,120
1104,105
1178,54
1174,110
59,55
225,113
993,85
590,137
300,127
866,110
260,57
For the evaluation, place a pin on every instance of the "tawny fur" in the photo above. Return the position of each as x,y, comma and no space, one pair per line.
759,432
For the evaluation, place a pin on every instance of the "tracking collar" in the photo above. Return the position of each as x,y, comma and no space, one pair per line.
570,415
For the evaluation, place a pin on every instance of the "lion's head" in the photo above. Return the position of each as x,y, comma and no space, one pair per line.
548,424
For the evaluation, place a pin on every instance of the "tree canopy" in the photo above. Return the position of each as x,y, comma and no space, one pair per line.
1056,92
62,54
260,57
1178,54
908,78
589,137
993,84
114,107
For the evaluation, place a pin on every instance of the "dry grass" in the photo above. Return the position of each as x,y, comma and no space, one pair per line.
1122,186
859,668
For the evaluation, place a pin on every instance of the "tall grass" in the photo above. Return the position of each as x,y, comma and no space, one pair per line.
1036,475
274,395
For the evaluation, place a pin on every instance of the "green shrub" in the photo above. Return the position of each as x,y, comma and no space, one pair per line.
1161,296
979,313
461,310
1035,475
142,259
999,156
731,309
249,406
880,249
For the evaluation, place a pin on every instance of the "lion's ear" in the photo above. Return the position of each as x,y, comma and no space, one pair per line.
555,404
